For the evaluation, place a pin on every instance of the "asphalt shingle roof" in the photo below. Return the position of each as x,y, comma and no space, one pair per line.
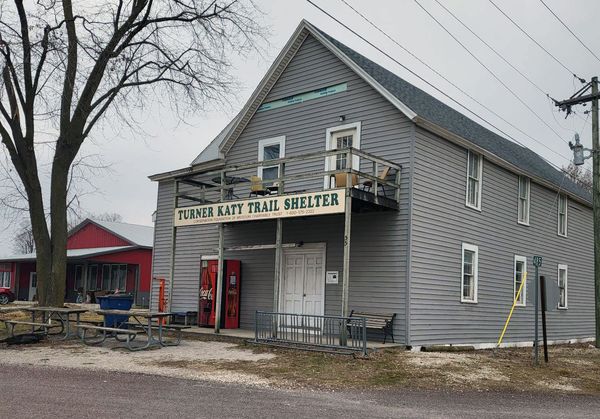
437,112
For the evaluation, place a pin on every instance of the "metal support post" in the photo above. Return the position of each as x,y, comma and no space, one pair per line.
536,305
544,333
220,265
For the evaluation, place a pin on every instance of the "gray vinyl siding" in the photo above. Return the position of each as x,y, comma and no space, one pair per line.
163,228
378,260
379,239
442,222
373,282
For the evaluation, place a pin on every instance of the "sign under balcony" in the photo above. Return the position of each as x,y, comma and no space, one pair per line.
284,206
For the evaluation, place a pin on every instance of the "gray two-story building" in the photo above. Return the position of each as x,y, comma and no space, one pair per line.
341,187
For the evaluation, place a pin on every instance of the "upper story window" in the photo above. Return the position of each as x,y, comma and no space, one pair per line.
474,178
562,286
562,215
470,274
270,149
519,278
524,194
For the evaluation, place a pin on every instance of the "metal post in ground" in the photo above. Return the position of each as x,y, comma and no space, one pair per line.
536,296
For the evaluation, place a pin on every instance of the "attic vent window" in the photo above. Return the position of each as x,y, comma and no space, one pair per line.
303,97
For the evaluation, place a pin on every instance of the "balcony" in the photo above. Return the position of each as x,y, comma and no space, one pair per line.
372,183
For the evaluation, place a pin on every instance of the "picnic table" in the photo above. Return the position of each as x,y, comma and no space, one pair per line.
139,322
62,316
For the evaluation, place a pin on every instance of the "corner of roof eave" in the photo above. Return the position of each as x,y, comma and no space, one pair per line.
189,170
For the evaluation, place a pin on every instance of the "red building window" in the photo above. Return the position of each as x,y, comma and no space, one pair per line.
114,277
5,275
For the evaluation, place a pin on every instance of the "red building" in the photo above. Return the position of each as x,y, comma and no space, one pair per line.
101,257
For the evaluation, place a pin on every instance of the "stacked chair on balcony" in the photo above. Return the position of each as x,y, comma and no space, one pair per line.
257,188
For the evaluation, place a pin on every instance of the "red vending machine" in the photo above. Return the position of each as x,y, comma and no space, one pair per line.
230,298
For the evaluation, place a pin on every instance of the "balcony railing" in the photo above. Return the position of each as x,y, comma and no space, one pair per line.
301,173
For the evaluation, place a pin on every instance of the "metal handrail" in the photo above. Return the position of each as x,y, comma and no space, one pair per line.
318,332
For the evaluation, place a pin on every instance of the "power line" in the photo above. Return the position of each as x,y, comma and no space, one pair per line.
491,72
534,84
569,29
429,83
536,42
447,80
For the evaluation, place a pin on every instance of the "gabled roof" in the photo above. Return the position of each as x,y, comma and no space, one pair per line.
71,253
135,234
417,105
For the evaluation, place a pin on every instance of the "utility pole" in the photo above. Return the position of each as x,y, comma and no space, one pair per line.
578,159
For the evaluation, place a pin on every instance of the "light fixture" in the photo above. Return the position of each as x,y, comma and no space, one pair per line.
342,118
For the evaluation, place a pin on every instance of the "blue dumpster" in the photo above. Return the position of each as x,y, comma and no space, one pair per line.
115,302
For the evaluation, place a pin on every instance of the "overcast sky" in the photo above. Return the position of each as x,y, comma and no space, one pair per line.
168,144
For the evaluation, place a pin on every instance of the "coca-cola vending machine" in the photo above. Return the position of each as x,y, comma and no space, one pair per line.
230,298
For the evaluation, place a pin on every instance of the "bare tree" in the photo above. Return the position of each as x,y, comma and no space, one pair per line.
23,242
580,176
77,218
65,67
113,217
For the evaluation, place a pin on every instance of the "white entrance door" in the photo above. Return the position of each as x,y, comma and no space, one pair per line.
303,288
32,285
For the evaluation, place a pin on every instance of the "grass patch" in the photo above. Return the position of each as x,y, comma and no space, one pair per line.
572,368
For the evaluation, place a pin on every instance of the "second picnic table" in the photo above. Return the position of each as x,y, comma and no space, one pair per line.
138,321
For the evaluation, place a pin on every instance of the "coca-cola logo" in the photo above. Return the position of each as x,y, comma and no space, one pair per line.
206,294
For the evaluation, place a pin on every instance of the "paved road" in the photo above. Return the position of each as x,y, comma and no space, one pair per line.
41,392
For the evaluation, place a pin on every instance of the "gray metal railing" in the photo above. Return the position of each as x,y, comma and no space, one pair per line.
325,332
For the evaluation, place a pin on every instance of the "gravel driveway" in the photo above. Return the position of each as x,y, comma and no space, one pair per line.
163,361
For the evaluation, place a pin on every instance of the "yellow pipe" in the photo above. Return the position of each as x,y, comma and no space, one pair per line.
512,309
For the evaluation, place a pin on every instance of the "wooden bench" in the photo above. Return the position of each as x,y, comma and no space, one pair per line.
130,333
10,326
380,321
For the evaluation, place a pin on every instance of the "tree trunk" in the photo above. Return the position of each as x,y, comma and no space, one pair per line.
58,230
39,228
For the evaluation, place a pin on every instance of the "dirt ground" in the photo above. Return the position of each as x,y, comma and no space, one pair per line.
572,368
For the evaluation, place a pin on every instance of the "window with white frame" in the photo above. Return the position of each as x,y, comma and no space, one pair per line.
338,138
524,193
474,175
470,275
4,279
562,215
270,149
520,268
562,286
